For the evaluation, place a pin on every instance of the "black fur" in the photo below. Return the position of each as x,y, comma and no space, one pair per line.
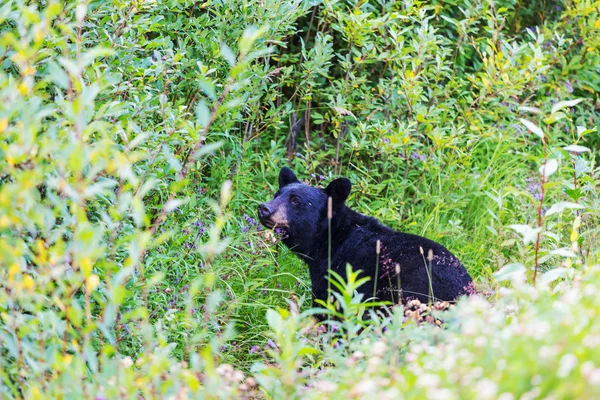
354,239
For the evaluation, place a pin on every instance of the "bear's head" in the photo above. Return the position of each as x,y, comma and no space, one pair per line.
301,210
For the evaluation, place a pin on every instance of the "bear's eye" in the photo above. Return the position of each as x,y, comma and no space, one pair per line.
294,200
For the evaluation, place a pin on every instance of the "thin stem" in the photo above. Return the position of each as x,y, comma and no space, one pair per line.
430,275
329,217
540,218
377,252
578,212
399,283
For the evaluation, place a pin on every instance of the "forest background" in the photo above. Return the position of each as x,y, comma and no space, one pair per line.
138,138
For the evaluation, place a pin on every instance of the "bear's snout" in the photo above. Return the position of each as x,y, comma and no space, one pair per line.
264,211
272,215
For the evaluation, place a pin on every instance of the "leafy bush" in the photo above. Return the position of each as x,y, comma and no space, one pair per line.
138,137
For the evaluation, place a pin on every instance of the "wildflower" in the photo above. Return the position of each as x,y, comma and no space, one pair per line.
543,78
254,349
568,85
321,177
313,176
244,229
534,188
250,220
386,140
271,344
416,156
279,286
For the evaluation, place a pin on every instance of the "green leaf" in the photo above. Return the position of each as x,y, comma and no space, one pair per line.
582,131
248,38
173,204
208,149
574,194
561,206
202,113
213,300
554,274
565,104
227,54
274,320
88,57
575,148
75,313
208,88
533,110
532,127
58,75
549,168
555,117
563,253
172,160
528,233
509,271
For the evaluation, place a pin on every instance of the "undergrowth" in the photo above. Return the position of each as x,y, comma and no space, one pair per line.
138,139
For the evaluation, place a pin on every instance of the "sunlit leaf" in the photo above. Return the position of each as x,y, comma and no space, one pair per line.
528,233
533,110
549,168
575,148
565,104
532,127
561,206
508,272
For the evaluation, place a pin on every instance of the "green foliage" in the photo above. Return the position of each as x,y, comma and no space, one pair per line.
534,342
137,139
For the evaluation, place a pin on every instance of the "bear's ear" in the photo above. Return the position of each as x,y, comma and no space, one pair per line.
286,176
338,190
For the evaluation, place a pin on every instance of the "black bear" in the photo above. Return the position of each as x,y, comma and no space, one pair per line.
427,270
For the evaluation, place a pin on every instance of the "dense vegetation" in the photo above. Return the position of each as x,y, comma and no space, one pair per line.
138,138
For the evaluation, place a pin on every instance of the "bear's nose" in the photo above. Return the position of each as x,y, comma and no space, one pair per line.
264,211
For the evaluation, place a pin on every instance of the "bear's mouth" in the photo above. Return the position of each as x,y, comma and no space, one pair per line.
267,223
270,224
